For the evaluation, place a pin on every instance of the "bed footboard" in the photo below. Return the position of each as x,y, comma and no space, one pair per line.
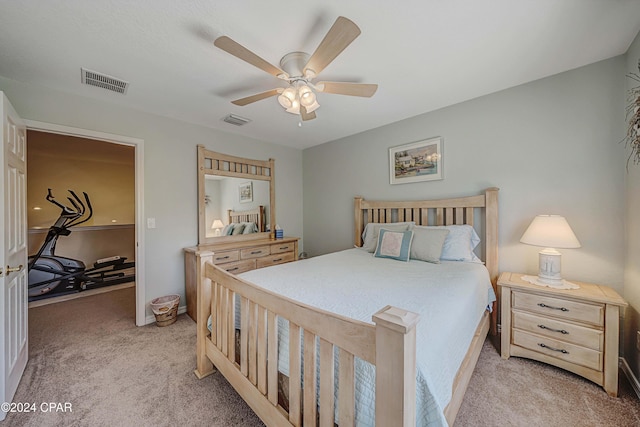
389,344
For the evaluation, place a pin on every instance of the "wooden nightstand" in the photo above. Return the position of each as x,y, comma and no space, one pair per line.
575,329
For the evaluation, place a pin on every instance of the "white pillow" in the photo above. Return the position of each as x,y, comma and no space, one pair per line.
250,227
427,243
238,228
372,230
459,244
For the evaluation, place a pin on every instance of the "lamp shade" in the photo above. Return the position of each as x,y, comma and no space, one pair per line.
307,97
217,224
551,231
287,97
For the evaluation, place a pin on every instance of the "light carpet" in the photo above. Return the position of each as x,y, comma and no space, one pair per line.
89,353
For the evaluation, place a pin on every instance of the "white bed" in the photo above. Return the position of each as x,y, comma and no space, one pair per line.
419,326
450,298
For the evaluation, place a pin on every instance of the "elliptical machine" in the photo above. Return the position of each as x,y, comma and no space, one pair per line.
53,275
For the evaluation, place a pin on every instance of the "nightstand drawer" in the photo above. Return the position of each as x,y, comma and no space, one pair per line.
560,350
226,256
239,266
282,247
558,307
275,259
256,252
559,330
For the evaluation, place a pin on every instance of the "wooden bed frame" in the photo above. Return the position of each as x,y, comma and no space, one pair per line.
253,215
389,343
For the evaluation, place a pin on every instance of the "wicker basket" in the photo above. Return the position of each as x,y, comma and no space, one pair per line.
166,309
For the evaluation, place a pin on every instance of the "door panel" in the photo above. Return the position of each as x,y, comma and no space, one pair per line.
13,254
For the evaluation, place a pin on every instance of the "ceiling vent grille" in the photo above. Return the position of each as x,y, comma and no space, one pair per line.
236,120
93,78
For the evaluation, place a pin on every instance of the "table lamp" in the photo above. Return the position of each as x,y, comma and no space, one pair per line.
550,232
217,225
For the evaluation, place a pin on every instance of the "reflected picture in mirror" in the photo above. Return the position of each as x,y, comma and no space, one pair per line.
245,191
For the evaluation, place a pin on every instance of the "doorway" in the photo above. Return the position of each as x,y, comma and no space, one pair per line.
123,221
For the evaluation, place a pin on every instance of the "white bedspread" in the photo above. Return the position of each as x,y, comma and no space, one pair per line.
450,297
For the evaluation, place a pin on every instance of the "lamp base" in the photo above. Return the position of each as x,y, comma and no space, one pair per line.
549,271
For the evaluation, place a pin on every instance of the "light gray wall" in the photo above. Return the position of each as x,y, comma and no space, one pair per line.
551,146
632,233
170,170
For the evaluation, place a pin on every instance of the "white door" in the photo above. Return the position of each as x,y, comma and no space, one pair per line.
13,252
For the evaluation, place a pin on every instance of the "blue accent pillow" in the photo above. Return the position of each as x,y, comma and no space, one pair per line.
394,244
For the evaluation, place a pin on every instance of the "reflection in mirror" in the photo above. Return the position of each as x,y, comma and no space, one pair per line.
235,190
234,200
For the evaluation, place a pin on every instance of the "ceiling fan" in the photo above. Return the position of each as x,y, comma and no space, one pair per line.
299,69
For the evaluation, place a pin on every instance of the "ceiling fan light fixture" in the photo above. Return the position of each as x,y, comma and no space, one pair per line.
295,107
313,107
307,97
287,98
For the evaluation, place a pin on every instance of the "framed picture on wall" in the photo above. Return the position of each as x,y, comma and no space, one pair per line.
246,192
417,161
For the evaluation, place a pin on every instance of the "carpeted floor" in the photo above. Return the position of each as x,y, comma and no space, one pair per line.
89,353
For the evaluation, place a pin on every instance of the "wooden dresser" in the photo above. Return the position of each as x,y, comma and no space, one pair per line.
574,329
235,257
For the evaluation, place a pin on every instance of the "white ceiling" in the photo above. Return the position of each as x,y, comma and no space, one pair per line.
424,54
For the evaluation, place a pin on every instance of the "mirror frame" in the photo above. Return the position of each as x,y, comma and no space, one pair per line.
213,163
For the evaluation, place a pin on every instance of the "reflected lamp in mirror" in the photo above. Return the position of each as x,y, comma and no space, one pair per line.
217,226
550,232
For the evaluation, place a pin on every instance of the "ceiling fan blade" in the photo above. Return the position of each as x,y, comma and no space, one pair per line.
306,116
257,97
351,89
341,34
239,51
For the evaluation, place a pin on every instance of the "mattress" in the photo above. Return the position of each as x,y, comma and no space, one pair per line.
450,298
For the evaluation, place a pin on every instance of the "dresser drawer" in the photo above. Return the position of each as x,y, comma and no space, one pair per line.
225,256
560,350
275,259
257,252
282,247
238,267
558,307
559,330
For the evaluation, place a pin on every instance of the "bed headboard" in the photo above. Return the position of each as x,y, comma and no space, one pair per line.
253,215
480,211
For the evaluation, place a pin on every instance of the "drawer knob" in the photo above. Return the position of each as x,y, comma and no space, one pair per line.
256,252
232,269
552,307
222,257
284,248
277,260
562,331
561,350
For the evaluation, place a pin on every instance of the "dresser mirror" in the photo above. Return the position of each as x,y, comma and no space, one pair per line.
236,198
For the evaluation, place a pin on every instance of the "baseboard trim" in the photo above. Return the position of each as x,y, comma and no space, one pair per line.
152,319
635,384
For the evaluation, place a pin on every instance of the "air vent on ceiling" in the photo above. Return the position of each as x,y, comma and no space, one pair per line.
103,81
235,120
